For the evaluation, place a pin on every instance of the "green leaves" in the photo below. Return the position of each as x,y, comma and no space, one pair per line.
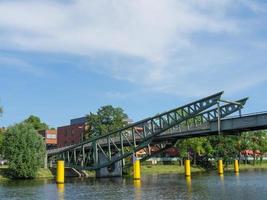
107,119
227,147
24,148
36,123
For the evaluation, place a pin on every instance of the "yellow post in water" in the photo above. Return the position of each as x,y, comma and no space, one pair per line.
220,167
236,167
137,170
187,169
60,171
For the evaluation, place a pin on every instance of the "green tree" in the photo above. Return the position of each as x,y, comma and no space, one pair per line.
1,140
258,144
1,133
36,123
195,146
107,119
224,147
24,148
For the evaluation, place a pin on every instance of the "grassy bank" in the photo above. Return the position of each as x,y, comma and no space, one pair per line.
42,173
243,167
177,169
145,170
3,170
167,169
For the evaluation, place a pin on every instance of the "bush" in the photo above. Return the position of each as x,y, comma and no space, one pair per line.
24,148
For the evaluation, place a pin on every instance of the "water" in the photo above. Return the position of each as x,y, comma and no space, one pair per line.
247,185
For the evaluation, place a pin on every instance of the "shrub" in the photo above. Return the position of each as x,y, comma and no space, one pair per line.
24,148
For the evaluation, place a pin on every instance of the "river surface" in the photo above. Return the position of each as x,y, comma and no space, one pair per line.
246,185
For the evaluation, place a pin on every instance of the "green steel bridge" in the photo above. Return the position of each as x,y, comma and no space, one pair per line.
207,116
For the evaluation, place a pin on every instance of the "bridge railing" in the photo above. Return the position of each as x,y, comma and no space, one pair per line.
135,136
139,135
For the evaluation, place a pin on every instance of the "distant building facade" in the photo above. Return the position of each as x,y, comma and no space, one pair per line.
50,137
70,134
73,133
80,120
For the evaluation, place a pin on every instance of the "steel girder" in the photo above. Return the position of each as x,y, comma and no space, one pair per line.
129,139
197,122
202,120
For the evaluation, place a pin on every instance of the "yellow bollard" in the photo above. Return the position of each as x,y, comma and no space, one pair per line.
137,170
187,169
60,171
220,167
236,167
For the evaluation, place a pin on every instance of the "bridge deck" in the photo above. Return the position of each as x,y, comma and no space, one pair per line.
230,125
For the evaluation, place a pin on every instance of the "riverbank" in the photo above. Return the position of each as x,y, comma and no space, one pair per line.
243,167
42,173
177,169
167,169
145,170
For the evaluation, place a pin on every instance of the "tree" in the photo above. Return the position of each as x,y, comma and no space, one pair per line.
107,119
24,149
36,123
224,147
1,132
258,144
194,146
1,140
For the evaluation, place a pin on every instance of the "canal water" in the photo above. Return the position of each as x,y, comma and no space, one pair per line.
246,185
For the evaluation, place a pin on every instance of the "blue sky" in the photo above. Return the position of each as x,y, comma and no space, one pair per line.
62,59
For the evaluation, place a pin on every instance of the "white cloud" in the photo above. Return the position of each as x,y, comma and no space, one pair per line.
20,65
150,43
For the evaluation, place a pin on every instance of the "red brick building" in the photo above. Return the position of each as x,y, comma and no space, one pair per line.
70,134
50,137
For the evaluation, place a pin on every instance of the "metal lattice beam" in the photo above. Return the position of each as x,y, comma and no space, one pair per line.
135,136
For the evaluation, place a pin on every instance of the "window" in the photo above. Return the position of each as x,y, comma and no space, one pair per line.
51,136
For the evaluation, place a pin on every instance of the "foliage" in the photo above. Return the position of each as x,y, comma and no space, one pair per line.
24,148
1,140
226,147
36,123
107,119
1,132
195,147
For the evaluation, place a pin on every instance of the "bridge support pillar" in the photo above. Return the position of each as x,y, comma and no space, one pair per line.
45,161
114,170
187,169
236,166
60,172
137,169
220,167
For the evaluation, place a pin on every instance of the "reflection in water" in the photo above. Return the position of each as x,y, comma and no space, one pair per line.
237,178
60,191
222,178
189,187
248,185
138,189
188,184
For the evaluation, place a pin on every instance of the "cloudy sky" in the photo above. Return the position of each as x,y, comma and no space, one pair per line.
61,59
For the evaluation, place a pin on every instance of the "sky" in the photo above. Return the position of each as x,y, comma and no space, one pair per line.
61,59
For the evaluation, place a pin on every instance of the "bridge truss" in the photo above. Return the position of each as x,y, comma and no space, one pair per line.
105,150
